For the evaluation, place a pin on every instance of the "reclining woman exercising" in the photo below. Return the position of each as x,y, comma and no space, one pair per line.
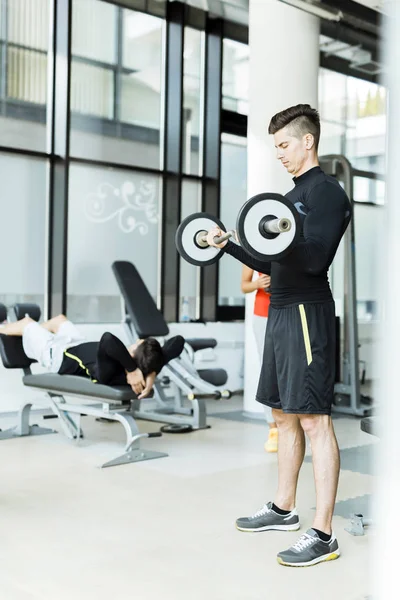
59,347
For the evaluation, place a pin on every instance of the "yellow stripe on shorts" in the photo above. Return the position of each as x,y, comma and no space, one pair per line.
306,335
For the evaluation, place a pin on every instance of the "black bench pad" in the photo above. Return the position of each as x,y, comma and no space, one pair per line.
143,312
214,376
201,343
79,386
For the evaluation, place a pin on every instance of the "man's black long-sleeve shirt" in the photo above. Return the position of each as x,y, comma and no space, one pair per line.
302,275
86,353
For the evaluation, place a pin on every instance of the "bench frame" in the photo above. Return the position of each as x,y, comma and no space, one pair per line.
180,390
69,415
184,380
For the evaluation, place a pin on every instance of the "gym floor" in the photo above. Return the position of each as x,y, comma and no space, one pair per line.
165,528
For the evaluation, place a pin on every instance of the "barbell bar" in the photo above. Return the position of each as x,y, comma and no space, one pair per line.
269,226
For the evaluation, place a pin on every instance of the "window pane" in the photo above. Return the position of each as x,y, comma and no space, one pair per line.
192,99
23,201
112,215
94,30
28,23
146,113
233,196
92,92
189,278
353,119
369,190
333,138
332,96
26,75
116,89
142,43
23,80
367,221
235,77
366,131
141,84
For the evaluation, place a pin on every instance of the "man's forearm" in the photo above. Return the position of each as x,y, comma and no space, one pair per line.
241,255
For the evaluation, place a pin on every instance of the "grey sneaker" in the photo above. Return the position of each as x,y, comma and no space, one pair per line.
266,518
309,550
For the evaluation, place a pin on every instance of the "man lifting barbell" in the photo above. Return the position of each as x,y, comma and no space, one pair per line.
298,371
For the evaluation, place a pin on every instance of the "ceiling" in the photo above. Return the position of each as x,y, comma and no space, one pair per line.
238,9
378,5
231,10
352,36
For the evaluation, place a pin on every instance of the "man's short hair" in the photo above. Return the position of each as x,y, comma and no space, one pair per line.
149,356
301,118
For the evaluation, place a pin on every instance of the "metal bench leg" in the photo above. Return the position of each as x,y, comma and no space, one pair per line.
70,427
23,428
200,414
133,452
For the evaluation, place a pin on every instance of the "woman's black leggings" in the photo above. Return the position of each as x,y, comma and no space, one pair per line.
113,360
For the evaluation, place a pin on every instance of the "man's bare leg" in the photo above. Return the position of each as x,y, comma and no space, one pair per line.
291,450
54,324
326,463
17,328
290,458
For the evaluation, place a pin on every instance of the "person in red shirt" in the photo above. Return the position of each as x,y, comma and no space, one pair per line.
261,305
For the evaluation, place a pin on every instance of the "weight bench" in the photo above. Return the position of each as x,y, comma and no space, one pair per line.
113,403
141,318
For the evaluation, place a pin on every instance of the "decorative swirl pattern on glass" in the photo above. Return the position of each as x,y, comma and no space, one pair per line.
134,206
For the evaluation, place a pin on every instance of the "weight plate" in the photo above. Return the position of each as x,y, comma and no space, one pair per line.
185,239
251,237
176,428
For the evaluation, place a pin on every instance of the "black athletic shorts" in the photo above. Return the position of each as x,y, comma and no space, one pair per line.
298,370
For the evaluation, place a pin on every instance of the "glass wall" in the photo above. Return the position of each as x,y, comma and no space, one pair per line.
369,190
189,276
23,236
367,221
353,120
112,215
24,40
233,196
235,77
94,51
116,85
117,170
192,100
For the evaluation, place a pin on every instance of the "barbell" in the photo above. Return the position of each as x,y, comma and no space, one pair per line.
268,226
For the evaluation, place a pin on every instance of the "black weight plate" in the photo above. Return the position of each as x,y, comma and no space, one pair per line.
176,428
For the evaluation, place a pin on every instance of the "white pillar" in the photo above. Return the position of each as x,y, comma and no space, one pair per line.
284,63
387,485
